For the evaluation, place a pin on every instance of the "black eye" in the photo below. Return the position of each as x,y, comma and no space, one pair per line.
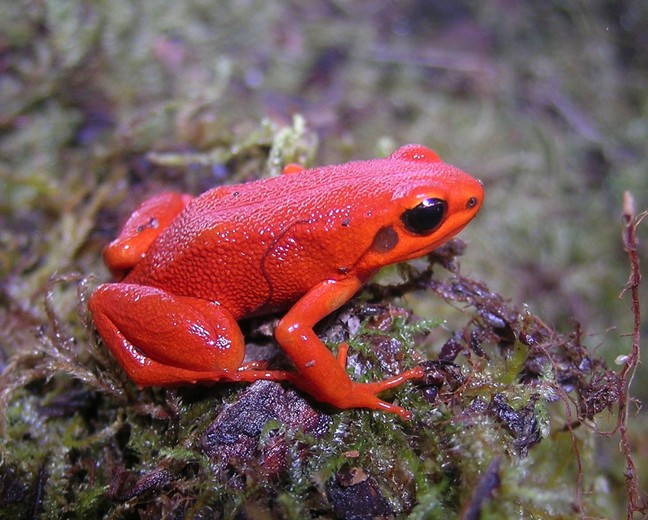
426,217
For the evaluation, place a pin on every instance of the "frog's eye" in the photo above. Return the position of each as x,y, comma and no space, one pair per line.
426,217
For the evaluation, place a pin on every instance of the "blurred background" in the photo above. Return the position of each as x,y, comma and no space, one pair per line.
546,102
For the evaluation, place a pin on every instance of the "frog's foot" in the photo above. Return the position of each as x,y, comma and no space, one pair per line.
365,394
360,395
380,386
377,387
348,394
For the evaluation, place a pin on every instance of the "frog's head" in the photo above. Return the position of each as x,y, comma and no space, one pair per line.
430,204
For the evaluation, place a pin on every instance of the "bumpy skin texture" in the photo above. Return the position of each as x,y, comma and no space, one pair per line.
189,268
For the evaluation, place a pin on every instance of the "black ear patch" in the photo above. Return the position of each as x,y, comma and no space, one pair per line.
385,240
426,217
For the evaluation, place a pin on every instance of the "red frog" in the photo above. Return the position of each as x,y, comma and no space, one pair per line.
188,268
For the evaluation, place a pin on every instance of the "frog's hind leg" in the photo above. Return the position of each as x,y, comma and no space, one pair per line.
161,339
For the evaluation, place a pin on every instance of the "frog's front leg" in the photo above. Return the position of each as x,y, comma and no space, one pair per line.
321,374
161,339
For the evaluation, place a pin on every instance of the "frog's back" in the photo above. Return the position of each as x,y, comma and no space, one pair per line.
258,247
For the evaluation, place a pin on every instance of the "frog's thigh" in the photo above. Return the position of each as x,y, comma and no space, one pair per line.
156,336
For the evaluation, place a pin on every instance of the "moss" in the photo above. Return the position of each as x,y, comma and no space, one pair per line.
472,409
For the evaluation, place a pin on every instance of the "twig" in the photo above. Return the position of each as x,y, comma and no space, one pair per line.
635,502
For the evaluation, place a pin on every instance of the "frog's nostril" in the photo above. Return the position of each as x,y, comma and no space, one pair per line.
472,202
